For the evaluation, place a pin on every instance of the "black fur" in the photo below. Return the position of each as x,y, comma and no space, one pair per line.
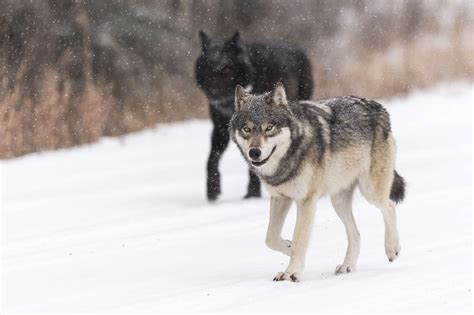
224,64
397,193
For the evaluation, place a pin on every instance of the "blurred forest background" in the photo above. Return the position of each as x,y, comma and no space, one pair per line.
72,71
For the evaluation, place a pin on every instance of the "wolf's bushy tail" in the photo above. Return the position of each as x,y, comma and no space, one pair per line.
305,79
397,192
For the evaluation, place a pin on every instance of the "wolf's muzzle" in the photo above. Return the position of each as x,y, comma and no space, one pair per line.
260,163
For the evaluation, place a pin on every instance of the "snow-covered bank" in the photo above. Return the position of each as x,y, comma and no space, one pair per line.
123,225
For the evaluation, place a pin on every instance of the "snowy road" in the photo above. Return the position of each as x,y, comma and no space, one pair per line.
123,225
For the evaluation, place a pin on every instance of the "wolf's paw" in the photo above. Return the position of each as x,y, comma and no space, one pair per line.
392,252
212,198
252,194
212,194
344,268
286,276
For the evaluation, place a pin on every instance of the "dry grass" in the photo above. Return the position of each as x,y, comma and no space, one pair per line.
400,68
52,119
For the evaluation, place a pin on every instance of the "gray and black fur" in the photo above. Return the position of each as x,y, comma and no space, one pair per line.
258,66
303,150
352,120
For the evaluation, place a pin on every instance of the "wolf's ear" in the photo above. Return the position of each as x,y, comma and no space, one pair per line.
205,40
235,42
241,97
278,95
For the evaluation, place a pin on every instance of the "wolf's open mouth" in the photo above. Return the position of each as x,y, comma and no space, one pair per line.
260,163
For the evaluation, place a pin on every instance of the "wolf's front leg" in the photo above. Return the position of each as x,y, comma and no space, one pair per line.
279,207
301,236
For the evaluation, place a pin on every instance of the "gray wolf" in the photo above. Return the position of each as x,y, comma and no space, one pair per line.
303,150
259,66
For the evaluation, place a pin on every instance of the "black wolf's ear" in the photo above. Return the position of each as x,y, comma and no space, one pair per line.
278,95
235,42
241,97
205,40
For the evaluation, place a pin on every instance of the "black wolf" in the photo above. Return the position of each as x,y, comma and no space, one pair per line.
258,67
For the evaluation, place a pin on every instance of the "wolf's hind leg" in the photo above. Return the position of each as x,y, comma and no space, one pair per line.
376,185
342,203
392,241
279,207
219,142
381,200
253,189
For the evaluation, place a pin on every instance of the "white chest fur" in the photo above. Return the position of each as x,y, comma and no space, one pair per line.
297,188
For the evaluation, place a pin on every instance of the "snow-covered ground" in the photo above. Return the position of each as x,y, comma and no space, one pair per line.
123,225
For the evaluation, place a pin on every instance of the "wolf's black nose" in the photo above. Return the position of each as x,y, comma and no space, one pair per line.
254,153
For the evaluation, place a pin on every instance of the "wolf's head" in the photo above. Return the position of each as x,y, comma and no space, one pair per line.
261,127
222,65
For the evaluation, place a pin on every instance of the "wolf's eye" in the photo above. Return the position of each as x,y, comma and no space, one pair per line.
269,128
246,129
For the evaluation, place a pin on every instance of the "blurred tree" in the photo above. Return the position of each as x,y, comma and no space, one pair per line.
130,63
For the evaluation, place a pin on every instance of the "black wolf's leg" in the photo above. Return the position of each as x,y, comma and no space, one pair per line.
253,189
219,142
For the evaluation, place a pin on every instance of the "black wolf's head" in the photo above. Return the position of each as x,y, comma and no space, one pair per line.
222,65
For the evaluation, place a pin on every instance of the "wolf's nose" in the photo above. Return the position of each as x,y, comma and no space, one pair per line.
254,153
